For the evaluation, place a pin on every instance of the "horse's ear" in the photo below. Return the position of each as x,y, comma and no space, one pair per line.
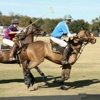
82,28
30,22
69,40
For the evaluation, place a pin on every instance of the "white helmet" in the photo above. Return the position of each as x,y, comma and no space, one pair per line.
67,16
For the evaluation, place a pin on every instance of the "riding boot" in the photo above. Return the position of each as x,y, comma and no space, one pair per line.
13,52
65,55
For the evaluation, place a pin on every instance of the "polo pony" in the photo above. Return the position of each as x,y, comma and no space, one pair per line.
26,37
37,51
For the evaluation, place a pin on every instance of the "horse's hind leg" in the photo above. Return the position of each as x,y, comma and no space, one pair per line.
40,72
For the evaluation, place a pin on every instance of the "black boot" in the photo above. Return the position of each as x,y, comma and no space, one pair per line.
65,55
13,52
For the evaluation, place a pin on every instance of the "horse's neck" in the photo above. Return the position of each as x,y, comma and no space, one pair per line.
76,46
81,33
28,39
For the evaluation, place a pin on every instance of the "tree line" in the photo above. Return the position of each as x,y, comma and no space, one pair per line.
48,24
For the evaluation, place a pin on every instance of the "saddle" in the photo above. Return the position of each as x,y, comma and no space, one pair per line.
4,47
56,48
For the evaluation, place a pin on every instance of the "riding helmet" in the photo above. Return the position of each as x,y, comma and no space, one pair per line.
67,16
15,21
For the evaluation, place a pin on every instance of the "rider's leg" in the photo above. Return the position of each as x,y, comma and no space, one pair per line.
66,50
13,50
65,55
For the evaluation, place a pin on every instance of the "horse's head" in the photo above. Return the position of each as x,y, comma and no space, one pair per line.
85,36
33,29
29,31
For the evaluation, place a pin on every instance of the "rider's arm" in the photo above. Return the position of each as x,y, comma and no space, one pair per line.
71,35
12,32
10,29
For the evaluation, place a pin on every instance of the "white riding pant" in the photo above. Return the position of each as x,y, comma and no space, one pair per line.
59,41
8,42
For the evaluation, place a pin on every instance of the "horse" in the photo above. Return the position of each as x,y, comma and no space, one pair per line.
37,51
26,37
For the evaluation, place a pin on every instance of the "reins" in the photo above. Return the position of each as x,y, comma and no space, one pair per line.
83,46
81,50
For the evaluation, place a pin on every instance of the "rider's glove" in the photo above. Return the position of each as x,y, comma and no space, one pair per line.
17,32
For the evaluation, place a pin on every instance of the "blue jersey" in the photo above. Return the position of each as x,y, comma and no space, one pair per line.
6,33
60,29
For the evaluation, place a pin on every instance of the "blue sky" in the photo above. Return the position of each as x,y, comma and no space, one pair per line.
78,9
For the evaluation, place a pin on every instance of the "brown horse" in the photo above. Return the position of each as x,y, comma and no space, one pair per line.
26,37
37,51
4,54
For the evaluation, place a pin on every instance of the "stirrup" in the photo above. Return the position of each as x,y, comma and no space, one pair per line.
12,58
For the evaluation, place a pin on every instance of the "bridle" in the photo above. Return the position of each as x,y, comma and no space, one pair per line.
83,45
32,33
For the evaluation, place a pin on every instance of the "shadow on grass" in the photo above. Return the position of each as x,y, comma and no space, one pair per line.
74,84
82,83
11,81
37,79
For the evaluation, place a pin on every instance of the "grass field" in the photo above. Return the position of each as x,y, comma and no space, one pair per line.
84,77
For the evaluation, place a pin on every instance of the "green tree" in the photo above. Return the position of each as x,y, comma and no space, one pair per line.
76,25
49,24
95,26
24,21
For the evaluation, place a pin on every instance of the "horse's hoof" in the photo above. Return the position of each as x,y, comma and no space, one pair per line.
63,87
32,83
28,86
54,81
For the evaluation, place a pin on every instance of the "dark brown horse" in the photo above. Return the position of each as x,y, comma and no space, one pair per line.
4,54
37,51
26,37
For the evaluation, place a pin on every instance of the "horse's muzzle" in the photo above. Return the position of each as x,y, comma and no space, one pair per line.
93,41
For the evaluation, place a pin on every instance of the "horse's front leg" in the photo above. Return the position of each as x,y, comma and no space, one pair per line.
64,76
28,77
38,70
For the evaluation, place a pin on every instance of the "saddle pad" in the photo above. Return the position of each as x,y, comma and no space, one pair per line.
56,49
2,47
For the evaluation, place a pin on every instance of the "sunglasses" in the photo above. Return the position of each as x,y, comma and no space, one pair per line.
16,23
69,20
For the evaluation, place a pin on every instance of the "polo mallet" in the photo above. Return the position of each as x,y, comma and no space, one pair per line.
51,10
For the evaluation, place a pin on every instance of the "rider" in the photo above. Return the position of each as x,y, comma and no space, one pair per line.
10,34
58,32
